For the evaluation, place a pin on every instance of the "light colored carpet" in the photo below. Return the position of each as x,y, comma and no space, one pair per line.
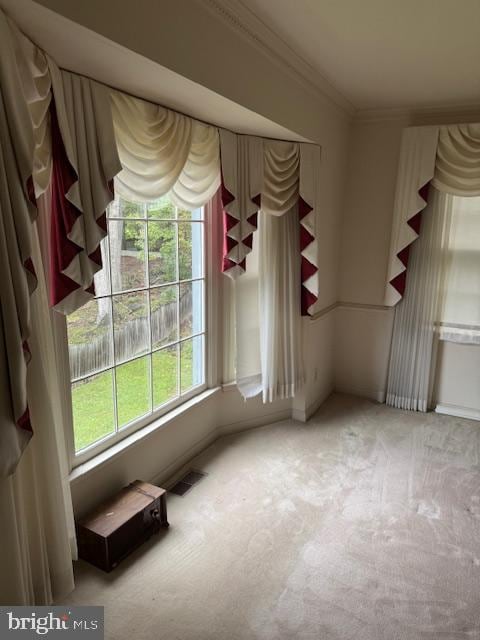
362,524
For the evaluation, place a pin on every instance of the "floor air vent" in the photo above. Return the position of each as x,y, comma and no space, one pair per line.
184,485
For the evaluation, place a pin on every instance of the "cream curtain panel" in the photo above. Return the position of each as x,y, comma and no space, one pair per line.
414,340
242,180
17,213
416,169
37,534
83,113
162,151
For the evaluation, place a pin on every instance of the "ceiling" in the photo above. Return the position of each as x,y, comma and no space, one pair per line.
365,54
89,53
384,53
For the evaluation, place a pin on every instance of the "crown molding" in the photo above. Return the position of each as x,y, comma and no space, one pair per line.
245,22
433,114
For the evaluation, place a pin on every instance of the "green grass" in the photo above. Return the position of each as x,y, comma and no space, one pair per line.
93,399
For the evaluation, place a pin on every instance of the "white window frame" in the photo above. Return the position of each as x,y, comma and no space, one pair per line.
211,310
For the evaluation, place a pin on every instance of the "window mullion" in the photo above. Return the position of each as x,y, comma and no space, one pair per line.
149,304
179,350
114,370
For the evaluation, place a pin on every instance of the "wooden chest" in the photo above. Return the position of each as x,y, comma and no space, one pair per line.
121,524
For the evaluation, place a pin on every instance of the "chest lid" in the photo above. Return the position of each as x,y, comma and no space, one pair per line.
119,509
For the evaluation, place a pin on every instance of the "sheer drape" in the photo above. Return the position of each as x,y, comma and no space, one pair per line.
414,341
279,300
246,309
269,358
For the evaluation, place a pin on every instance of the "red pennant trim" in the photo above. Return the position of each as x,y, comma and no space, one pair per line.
253,219
306,238
226,195
403,256
96,256
248,241
399,283
308,269
229,222
416,222
24,421
308,299
64,215
303,208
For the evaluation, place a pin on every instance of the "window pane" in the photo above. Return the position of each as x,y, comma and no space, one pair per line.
164,319
90,341
121,208
127,254
190,249
130,323
185,214
162,252
165,375
462,300
191,363
191,308
133,390
163,209
92,401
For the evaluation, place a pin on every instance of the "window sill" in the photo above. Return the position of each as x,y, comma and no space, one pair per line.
138,436
459,335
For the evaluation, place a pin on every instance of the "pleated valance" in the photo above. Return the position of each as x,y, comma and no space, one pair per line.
448,157
457,165
163,151
281,176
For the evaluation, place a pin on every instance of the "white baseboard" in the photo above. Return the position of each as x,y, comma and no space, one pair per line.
458,412
377,395
170,474
252,423
302,415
